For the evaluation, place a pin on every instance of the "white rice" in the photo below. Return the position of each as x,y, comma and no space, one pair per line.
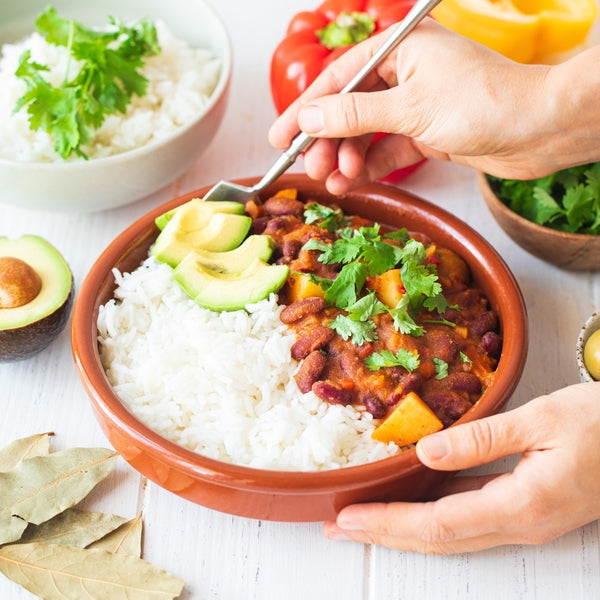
221,384
181,81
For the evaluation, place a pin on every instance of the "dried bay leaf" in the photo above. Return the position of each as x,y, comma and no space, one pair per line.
27,447
73,527
126,539
39,488
55,572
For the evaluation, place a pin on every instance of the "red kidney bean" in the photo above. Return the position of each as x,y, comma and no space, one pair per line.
487,321
258,225
302,308
314,339
491,343
310,371
447,405
332,393
443,345
349,363
374,405
279,206
463,382
290,248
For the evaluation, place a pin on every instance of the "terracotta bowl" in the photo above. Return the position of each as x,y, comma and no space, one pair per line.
278,495
569,251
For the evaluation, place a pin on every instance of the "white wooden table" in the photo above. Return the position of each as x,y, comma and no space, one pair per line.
230,558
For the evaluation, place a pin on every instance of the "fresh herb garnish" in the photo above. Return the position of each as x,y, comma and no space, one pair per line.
365,252
326,217
441,368
409,359
465,358
101,82
568,200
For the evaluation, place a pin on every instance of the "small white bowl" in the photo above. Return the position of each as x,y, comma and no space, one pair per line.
103,183
590,326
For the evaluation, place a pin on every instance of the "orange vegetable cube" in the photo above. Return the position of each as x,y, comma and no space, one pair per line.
410,420
301,286
388,287
291,193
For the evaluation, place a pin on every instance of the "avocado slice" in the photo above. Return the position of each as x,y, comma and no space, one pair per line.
220,233
233,261
230,291
202,209
36,295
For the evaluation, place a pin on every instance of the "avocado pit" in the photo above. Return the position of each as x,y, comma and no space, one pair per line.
19,283
36,295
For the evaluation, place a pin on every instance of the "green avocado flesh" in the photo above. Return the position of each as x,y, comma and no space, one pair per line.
219,233
233,261
229,291
201,209
29,328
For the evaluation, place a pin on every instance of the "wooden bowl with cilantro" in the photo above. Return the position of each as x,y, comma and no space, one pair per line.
555,218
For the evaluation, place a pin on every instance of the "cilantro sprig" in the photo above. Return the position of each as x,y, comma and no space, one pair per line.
366,252
409,359
102,76
568,200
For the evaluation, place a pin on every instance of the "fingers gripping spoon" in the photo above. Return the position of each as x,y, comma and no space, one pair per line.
226,190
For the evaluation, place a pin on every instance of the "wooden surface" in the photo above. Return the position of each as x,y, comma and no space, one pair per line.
230,558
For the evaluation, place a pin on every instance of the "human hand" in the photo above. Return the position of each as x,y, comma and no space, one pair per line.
440,96
553,489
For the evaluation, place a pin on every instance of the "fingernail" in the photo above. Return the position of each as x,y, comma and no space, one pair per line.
435,446
310,119
338,536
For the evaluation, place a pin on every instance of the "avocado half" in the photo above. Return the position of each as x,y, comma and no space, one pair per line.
36,295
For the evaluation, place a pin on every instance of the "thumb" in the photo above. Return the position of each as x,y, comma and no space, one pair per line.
478,442
349,115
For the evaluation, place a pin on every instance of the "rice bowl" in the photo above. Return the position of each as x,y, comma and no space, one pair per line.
276,494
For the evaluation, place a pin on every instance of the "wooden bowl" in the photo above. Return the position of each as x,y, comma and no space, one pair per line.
569,251
285,495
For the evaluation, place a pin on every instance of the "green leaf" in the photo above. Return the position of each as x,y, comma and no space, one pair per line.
409,359
345,288
126,539
39,488
360,331
106,76
73,527
441,368
22,449
56,572
326,217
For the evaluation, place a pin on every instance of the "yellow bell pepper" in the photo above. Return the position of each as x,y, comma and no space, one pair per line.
523,30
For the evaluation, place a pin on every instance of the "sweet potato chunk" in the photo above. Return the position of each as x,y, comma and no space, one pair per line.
388,287
410,420
301,287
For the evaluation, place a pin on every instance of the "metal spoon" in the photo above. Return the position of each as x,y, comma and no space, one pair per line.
226,190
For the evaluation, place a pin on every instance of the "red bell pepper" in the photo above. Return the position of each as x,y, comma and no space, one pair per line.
315,38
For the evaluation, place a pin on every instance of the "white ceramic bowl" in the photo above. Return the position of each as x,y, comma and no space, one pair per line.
590,326
113,181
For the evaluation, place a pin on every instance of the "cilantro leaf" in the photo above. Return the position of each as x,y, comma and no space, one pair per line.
102,76
326,217
349,327
441,368
409,359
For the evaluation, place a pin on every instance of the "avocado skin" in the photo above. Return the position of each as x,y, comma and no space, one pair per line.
24,342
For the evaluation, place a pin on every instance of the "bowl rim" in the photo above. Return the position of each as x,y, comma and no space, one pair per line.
224,80
493,200
86,355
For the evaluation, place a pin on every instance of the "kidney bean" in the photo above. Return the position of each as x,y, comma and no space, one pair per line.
279,206
487,321
349,363
258,225
443,346
332,393
463,382
312,340
374,405
409,383
310,370
290,248
447,405
491,343
302,308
